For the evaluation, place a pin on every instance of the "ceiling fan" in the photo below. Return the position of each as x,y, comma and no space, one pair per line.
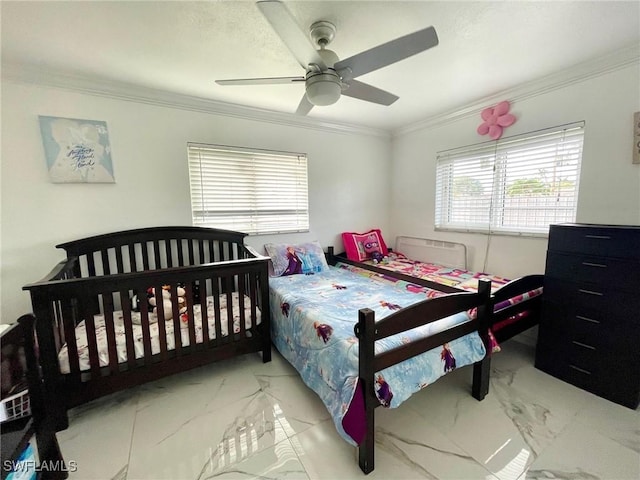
327,77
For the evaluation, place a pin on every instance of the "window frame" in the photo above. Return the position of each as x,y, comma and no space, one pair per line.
521,153
255,191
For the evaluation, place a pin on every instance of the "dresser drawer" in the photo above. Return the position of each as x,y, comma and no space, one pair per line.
616,386
565,327
614,272
593,303
604,241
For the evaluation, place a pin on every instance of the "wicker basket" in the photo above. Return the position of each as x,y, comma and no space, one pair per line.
15,406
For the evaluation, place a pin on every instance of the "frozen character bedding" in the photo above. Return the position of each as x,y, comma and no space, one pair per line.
313,318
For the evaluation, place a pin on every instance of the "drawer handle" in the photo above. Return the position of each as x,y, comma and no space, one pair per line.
582,370
587,319
591,264
598,237
580,344
591,292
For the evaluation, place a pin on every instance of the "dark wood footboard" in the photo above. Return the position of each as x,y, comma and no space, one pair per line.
368,332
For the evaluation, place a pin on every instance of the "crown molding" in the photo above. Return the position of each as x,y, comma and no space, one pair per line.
32,74
617,60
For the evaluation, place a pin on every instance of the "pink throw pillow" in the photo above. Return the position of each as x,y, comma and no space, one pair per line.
360,246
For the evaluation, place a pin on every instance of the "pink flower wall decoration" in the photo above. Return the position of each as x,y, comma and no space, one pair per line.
495,120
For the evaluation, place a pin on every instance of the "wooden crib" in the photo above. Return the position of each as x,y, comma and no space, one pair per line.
93,342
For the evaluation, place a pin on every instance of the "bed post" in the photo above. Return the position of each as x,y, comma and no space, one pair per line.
46,440
330,255
365,331
54,392
266,312
482,369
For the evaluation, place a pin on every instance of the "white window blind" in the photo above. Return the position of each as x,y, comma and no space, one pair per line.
517,185
252,191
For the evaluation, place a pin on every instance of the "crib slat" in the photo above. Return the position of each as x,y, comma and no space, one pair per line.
200,252
92,343
69,323
169,253
91,265
133,263
212,257
190,247
192,323
177,323
156,254
228,289
111,333
180,253
253,294
128,327
241,288
119,262
215,292
221,250
145,256
144,324
162,325
204,314
105,262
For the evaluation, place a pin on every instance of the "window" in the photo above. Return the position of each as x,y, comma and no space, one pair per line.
517,185
251,191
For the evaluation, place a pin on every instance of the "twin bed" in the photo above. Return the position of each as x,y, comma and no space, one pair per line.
359,338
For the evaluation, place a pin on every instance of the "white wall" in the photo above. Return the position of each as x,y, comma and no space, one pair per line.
609,184
349,174
348,178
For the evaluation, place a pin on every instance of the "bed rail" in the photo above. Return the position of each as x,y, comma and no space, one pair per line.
333,258
528,309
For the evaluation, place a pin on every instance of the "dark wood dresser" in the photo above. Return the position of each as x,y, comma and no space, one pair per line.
589,332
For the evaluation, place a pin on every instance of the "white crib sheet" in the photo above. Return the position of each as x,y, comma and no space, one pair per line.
121,347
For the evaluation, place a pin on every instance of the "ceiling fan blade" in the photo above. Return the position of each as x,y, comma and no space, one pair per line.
364,91
387,53
304,106
289,31
260,81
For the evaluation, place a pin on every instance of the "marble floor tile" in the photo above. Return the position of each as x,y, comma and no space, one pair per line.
296,406
202,440
243,419
104,425
277,462
583,453
422,448
620,424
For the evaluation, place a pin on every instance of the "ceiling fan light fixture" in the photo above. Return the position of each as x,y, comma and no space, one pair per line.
323,89
327,77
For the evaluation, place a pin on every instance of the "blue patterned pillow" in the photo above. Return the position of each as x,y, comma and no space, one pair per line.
294,259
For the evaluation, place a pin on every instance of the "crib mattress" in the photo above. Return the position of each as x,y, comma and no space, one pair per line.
121,348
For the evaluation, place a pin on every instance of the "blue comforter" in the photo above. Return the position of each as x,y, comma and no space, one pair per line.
312,326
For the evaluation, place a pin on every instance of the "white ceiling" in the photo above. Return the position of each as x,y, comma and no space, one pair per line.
485,47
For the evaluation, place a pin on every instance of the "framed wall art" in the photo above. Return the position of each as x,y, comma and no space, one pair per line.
76,150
